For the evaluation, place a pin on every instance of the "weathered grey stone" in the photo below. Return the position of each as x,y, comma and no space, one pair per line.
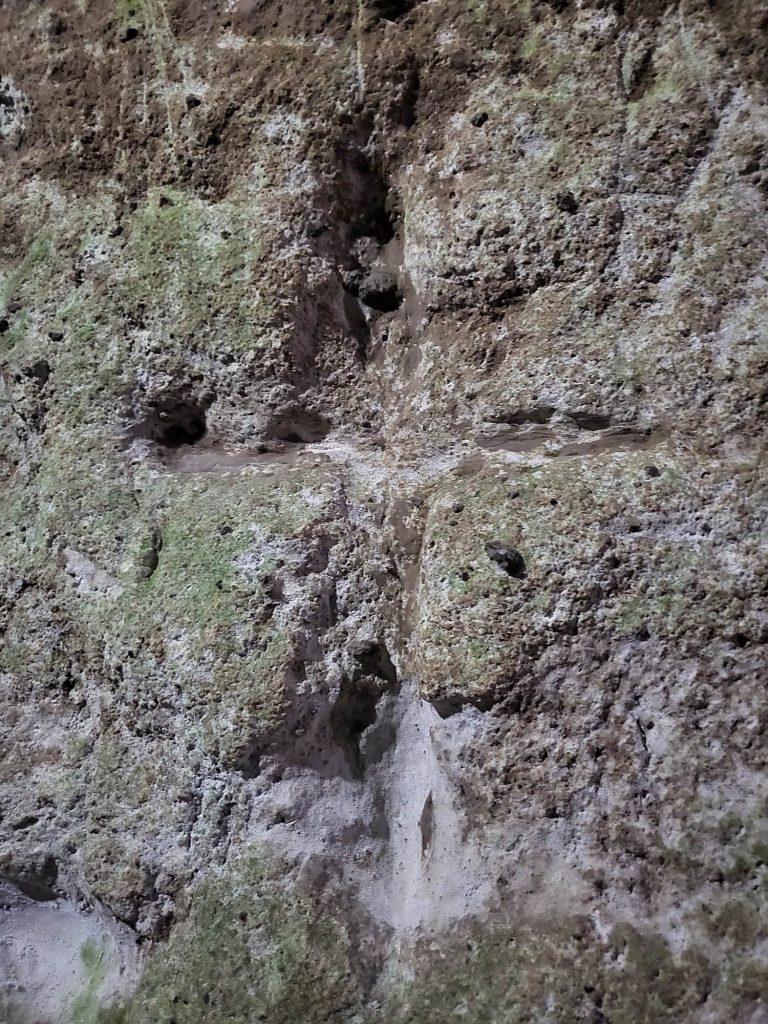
383,564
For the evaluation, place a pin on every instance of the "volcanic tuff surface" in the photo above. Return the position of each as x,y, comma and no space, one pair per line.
383,547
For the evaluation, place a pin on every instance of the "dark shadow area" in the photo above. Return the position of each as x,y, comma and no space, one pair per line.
298,426
172,420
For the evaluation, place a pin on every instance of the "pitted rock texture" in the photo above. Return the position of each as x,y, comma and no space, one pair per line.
384,571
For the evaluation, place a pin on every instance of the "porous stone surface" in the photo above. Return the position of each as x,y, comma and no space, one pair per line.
383,549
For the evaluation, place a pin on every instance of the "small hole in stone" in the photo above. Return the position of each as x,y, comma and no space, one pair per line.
507,558
298,426
377,289
590,421
391,10
39,371
566,202
24,823
187,431
172,421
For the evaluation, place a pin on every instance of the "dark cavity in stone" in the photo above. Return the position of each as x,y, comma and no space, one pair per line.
507,558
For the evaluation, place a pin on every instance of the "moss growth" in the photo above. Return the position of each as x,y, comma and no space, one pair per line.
252,947
531,45
245,952
203,255
559,973
579,525
86,1008
204,616
30,269
461,591
192,271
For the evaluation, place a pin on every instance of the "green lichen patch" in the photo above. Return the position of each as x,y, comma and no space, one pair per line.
253,946
192,271
609,548
86,1007
245,953
205,617
557,972
138,797
79,294
27,271
680,74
